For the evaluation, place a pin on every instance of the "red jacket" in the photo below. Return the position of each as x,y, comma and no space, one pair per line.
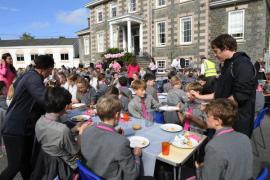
132,70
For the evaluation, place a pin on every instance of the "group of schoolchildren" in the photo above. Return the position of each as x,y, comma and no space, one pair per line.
107,153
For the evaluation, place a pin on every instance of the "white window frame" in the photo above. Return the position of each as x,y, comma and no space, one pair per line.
86,45
64,54
20,57
161,70
182,42
130,7
100,11
34,55
243,23
158,43
158,5
182,1
99,42
111,10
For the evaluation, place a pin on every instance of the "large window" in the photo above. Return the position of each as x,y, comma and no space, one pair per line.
99,15
236,24
64,56
161,66
20,57
132,5
160,3
161,33
86,43
100,42
113,11
186,30
33,56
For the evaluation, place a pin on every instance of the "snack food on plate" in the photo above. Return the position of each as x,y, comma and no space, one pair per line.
136,126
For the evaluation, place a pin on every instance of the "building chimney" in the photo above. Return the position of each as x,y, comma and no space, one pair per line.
88,20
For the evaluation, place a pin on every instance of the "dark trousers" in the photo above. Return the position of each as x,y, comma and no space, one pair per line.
19,152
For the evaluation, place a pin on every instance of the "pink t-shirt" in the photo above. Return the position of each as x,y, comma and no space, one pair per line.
6,75
116,67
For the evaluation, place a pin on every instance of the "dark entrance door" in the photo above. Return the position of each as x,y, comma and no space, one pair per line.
136,45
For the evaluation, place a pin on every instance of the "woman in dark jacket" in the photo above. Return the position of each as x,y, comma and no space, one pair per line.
25,109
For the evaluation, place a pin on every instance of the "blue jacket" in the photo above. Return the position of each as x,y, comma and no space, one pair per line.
27,105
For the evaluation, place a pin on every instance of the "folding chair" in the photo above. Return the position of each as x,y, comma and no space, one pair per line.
263,174
257,124
85,173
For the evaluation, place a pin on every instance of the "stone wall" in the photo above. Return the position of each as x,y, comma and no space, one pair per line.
255,26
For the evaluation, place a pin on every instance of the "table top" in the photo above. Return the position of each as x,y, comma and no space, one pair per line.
156,136
179,156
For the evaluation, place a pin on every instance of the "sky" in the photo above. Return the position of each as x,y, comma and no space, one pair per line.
42,18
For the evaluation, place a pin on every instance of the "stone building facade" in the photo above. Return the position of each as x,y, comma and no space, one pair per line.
84,44
166,29
163,29
247,20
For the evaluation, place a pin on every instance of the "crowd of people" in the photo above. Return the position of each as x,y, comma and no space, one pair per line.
217,103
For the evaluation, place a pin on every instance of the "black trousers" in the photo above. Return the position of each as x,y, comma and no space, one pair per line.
19,152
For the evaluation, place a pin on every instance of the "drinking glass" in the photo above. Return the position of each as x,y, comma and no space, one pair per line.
165,148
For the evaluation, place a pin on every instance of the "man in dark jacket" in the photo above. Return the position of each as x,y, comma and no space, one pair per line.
25,109
237,81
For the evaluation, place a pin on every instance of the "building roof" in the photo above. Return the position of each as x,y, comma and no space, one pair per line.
217,3
94,3
83,31
38,42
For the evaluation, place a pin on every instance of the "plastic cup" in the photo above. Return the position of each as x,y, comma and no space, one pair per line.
126,116
165,148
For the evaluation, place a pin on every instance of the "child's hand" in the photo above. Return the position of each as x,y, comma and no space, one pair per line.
179,105
198,165
188,115
74,101
120,131
83,126
195,94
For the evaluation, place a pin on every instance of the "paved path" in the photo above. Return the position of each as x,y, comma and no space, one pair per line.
259,161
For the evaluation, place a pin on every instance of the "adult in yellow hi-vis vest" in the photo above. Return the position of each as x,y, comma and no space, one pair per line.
208,69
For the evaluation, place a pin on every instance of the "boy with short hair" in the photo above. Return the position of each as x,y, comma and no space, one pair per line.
141,103
123,81
194,114
228,155
168,86
106,152
56,138
150,81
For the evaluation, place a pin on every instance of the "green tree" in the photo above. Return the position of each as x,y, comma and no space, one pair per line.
26,36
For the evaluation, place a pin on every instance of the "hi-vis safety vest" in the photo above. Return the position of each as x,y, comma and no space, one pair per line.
209,68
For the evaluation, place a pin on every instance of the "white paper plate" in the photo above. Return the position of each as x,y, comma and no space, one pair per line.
162,97
138,141
169,108
80,118
171,127
78,105
179,144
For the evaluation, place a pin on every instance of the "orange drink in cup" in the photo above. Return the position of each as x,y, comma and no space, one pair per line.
165,148
126,116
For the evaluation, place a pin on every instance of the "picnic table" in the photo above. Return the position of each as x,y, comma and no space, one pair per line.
156,136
